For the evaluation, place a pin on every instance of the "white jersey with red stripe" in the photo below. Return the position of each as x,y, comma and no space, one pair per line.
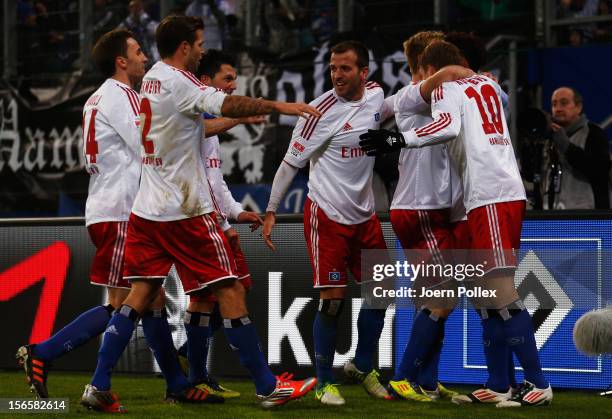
470,112
173,184
340,180
225,204
427,177
111,145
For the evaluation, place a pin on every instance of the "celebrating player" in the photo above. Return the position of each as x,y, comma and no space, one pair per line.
112,151
202,318
422,217
173,219
339,218
469,111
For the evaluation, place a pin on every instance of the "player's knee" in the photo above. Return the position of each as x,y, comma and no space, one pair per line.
331,308
116,296
160,300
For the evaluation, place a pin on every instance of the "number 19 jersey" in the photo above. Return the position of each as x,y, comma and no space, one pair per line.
173,184
470,110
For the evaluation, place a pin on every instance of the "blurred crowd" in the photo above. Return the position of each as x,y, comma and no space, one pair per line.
580,34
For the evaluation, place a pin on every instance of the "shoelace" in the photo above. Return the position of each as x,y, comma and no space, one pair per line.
285,376
522,391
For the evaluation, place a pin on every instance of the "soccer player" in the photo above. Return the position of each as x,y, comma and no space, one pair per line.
173,219
469,114
202,318
428,200
112,151
339,217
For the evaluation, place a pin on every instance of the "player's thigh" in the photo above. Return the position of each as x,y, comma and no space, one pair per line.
406,226
242,269
495,234
109,238
199,246
367,236
146,258
328,247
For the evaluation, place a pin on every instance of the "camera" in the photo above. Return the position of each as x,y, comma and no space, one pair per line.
535,132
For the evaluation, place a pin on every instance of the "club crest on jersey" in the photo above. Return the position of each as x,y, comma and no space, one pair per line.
377,116
334,276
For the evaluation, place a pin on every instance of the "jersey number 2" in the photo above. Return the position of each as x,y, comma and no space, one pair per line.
489,95
145,121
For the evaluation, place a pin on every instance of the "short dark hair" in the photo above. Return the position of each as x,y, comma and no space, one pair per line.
439,54
470,46
174,30
111,45
211,63
363,56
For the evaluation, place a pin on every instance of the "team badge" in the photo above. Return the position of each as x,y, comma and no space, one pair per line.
334,276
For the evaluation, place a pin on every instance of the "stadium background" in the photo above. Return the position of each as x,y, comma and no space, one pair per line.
47,77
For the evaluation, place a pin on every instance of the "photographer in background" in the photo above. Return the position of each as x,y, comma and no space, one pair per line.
582,169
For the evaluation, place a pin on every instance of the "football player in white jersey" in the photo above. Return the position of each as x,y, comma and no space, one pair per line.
112,151
469,114
339,217
202,318
421,216
173,218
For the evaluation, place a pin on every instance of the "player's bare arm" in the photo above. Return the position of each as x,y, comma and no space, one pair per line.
242,106
448,73
216,126
283,178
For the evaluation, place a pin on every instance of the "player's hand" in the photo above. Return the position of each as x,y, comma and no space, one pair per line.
299,109
250,217
269,223
256,119
381,141
233,238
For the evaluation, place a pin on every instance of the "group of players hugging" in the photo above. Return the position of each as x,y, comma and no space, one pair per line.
157,198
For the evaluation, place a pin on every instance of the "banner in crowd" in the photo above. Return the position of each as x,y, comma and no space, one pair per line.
44,285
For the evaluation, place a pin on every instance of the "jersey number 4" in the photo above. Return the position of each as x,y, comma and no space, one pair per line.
145,124
490,98
91,145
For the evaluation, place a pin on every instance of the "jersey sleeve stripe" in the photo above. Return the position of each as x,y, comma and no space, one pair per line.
311,119
136,100
131,99
443,122
316,121
431,124
192,78
215,203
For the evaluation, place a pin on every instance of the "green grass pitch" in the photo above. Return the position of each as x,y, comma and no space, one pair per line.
142,397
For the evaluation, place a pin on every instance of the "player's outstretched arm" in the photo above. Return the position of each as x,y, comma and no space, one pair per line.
448,73
283,178
240,106
216,126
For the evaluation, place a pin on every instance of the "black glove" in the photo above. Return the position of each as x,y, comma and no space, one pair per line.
381,141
